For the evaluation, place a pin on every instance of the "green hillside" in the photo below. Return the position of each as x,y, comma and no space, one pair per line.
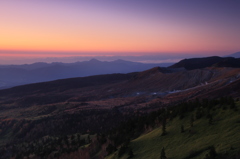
193,130
220,128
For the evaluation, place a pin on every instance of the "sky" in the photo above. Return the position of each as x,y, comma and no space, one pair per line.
90,28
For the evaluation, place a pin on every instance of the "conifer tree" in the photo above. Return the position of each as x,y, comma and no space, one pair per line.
232,105
164,126
130,153
212,152
163,155
210,119
191,121
89,139
182,129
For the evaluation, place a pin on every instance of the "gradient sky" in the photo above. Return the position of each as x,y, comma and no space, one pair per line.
59,28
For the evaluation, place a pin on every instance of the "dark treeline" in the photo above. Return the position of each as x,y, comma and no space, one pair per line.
135,126
56,136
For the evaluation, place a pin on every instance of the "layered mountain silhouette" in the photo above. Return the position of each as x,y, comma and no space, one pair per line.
168,83
198,63
236,55
13,75
85,111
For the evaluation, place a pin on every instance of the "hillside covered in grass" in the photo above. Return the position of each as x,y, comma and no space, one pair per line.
197,129
191,135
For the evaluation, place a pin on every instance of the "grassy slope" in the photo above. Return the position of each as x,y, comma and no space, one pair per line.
223,134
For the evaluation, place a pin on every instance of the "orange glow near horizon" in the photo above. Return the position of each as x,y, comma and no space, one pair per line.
138,43
87,29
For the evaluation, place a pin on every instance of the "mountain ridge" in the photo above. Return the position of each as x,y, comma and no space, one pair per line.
13,75
213,61
106,113
236,55
150,84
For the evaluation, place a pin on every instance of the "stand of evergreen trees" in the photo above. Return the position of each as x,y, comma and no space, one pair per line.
118,138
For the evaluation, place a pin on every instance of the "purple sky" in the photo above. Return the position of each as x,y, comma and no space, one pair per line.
70,28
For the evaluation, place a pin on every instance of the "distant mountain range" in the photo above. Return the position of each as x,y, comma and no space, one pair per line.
236,55
214,61
122,108
171,84
13,75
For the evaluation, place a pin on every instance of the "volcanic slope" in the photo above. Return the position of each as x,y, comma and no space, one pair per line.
164,85
198,63
96,104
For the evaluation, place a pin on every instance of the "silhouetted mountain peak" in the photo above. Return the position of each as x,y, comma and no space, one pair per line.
57,63
151,72
122,61
94,60
198,63
40,72
119,60
236,55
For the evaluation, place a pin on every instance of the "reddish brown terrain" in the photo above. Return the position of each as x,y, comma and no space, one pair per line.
135,90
